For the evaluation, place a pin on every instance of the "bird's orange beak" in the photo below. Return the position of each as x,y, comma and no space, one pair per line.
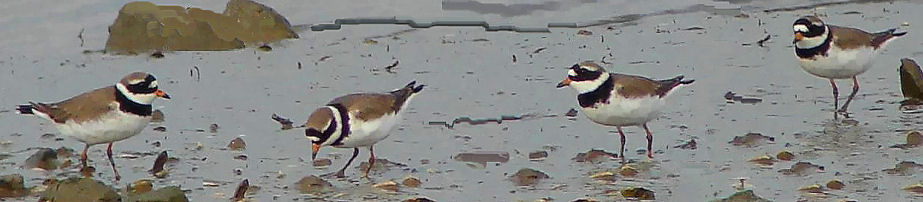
565,82
162,94
314,148
798,37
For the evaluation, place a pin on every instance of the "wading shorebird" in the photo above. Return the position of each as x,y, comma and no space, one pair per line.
357,120
834,52
619,100
104,115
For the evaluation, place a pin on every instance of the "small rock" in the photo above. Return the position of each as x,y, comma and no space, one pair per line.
79,189
814,188
419,199
585,200
628,170
159,163
48,136
242,157
835,184
690,145
584,32
141,186
213,128
160,129
44,158
370,42
12,186
914,138
751,140
312,184
411,182
157,116
380,165
241,190
571,113
785,155
594,156
802,168
639,193
166,194
904,168
538,155
237,144
605,175
915,188
743,196
389,185
265,48
765,160
528,176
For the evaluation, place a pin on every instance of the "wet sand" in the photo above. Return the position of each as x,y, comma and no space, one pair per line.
471,73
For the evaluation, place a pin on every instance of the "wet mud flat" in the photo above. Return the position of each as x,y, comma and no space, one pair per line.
778,148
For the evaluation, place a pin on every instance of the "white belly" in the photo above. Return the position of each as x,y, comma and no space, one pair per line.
839,63
112,127
368,133
626,112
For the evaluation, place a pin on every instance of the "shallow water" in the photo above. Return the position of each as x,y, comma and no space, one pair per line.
471,73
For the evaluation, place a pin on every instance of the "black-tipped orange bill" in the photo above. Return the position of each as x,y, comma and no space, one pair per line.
162,94
314,148
798,37
565,82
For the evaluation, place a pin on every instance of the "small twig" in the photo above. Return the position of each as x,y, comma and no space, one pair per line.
80,36
760,42
198,76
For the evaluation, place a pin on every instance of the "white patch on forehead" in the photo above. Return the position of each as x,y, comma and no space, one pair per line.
801,28
153,84
135,81
571,72
137,98
591,68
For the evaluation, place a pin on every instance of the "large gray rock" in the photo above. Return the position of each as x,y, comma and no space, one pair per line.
166,194
12,186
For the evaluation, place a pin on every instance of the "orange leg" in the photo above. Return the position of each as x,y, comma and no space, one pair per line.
650,139
836,94
855,89
111,162
83,156
342,172
371,161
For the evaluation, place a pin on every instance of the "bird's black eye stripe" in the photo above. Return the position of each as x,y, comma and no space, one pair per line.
142,87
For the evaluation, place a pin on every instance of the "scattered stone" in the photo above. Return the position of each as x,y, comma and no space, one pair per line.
814,188
751,140
538,155
143,26
265,48
628,171
157,170
166,194
312,184
47,136
160,129
141,186
904,168
585,200
389,185
527,177
743,196
915,188
44,158
79,189
764,160
605,176
12,186
594,155
237,144
322,162
411,182
242,157
801,169
732,97
911,79
690,145
213,128
835,184
638,192
584,32
914,138
241,190
419,199
157,116
370,42
286,123
571,113
785,155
